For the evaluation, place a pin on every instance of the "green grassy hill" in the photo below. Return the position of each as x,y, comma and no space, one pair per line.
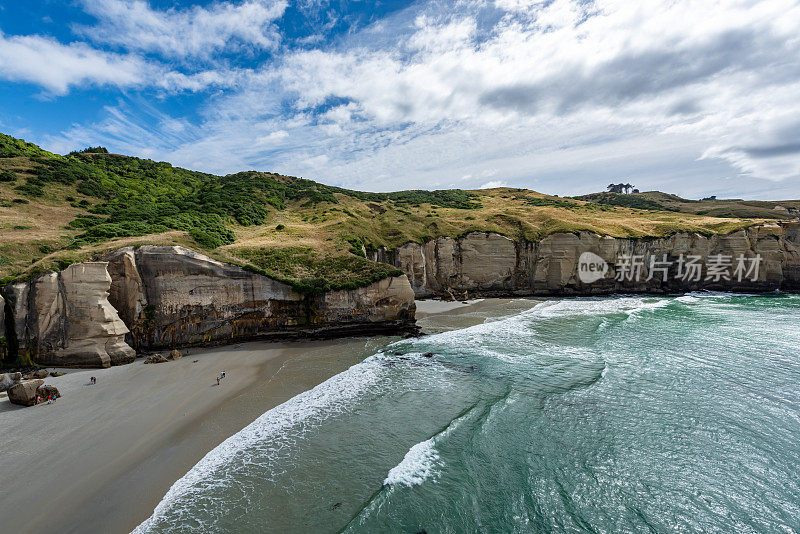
734,208
58,209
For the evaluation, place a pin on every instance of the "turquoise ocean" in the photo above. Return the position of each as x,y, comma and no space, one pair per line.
621,414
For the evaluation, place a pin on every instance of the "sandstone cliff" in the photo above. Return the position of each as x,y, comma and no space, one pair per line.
3,340
94,314
66,318
487,264
97,313
172,296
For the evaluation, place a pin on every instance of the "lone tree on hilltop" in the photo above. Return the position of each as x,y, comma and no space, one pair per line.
622,188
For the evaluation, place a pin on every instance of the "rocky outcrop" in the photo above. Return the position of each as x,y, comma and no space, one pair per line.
155,358
7,380
2,319
488,264
48,391
24,393
39,373
65,318
154,298
3,339
172,296
92,314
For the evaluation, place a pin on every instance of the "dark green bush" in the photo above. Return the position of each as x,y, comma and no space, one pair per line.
308,271
90,150
8,176
210,239
86,221
31,190
626,201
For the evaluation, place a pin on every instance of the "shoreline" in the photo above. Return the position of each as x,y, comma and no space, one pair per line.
103,456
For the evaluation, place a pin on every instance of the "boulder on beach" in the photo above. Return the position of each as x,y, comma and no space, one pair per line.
33,375
24,393
122,357
47,391
155,358
9,379
175,354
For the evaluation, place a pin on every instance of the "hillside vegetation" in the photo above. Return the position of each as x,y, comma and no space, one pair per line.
734,208
55,210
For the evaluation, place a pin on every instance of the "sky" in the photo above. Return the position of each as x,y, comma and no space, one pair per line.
693,97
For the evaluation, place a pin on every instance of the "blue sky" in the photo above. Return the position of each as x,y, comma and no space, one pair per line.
561,96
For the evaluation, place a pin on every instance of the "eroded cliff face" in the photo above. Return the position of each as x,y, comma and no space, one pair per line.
94,314
3,339
172,296
66,319
487,264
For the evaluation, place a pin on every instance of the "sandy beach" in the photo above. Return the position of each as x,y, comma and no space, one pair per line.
103,456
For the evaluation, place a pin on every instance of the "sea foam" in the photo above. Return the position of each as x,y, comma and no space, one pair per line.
300,413
420,463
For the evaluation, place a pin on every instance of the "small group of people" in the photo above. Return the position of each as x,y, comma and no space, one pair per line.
93,380
50,399
222,375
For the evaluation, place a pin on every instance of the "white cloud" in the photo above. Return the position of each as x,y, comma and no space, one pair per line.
272,137
695,97
182,33
57,66
721,72
493,184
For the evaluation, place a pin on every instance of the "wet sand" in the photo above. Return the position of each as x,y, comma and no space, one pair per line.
103,456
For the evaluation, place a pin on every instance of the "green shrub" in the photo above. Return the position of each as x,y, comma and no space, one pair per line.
626,201
90,150
280,227
30,189
212,238
63,263
86,221
308,271
12,148
8,176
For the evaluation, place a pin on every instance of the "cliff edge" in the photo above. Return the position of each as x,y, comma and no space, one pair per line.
97,314
490,264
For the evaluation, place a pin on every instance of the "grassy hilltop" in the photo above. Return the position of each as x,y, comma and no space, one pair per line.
55,210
